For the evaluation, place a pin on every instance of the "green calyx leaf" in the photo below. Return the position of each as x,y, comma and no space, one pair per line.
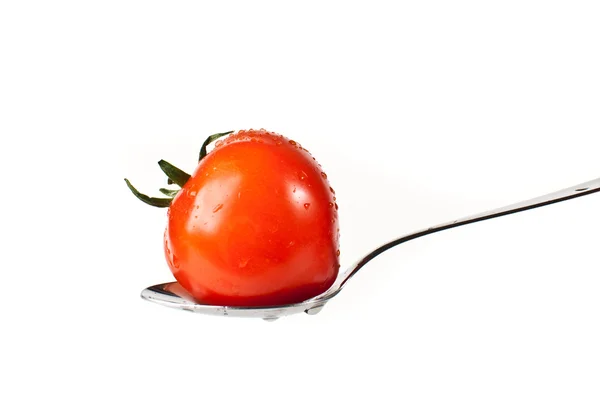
156,202
208,141
169,192
175,175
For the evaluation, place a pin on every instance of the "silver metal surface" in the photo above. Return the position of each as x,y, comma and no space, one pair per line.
174,296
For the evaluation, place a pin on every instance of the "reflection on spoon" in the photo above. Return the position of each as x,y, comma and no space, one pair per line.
173,295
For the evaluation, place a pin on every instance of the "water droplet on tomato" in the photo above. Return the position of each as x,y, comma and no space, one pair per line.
192,193
330,204
332,191
334,198
218,144
278,142
337,253
293,142
218,207
323,175
306,206
336,206
175,262
294,191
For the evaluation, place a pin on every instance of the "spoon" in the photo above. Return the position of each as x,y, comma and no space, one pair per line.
173,295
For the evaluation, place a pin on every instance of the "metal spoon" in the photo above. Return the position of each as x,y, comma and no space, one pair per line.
173,295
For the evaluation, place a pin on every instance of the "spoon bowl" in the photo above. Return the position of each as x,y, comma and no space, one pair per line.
173,295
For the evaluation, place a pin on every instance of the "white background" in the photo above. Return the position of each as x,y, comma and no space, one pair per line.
420,112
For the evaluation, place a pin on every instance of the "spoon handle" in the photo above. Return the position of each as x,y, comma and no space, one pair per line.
559,196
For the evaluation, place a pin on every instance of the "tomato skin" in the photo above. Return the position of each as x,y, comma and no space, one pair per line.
255,225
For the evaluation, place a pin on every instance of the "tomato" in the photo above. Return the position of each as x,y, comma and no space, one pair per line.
256,224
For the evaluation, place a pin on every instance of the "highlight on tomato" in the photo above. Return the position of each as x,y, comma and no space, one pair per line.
255,224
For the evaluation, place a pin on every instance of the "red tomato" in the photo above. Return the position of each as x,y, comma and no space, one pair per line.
255,225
